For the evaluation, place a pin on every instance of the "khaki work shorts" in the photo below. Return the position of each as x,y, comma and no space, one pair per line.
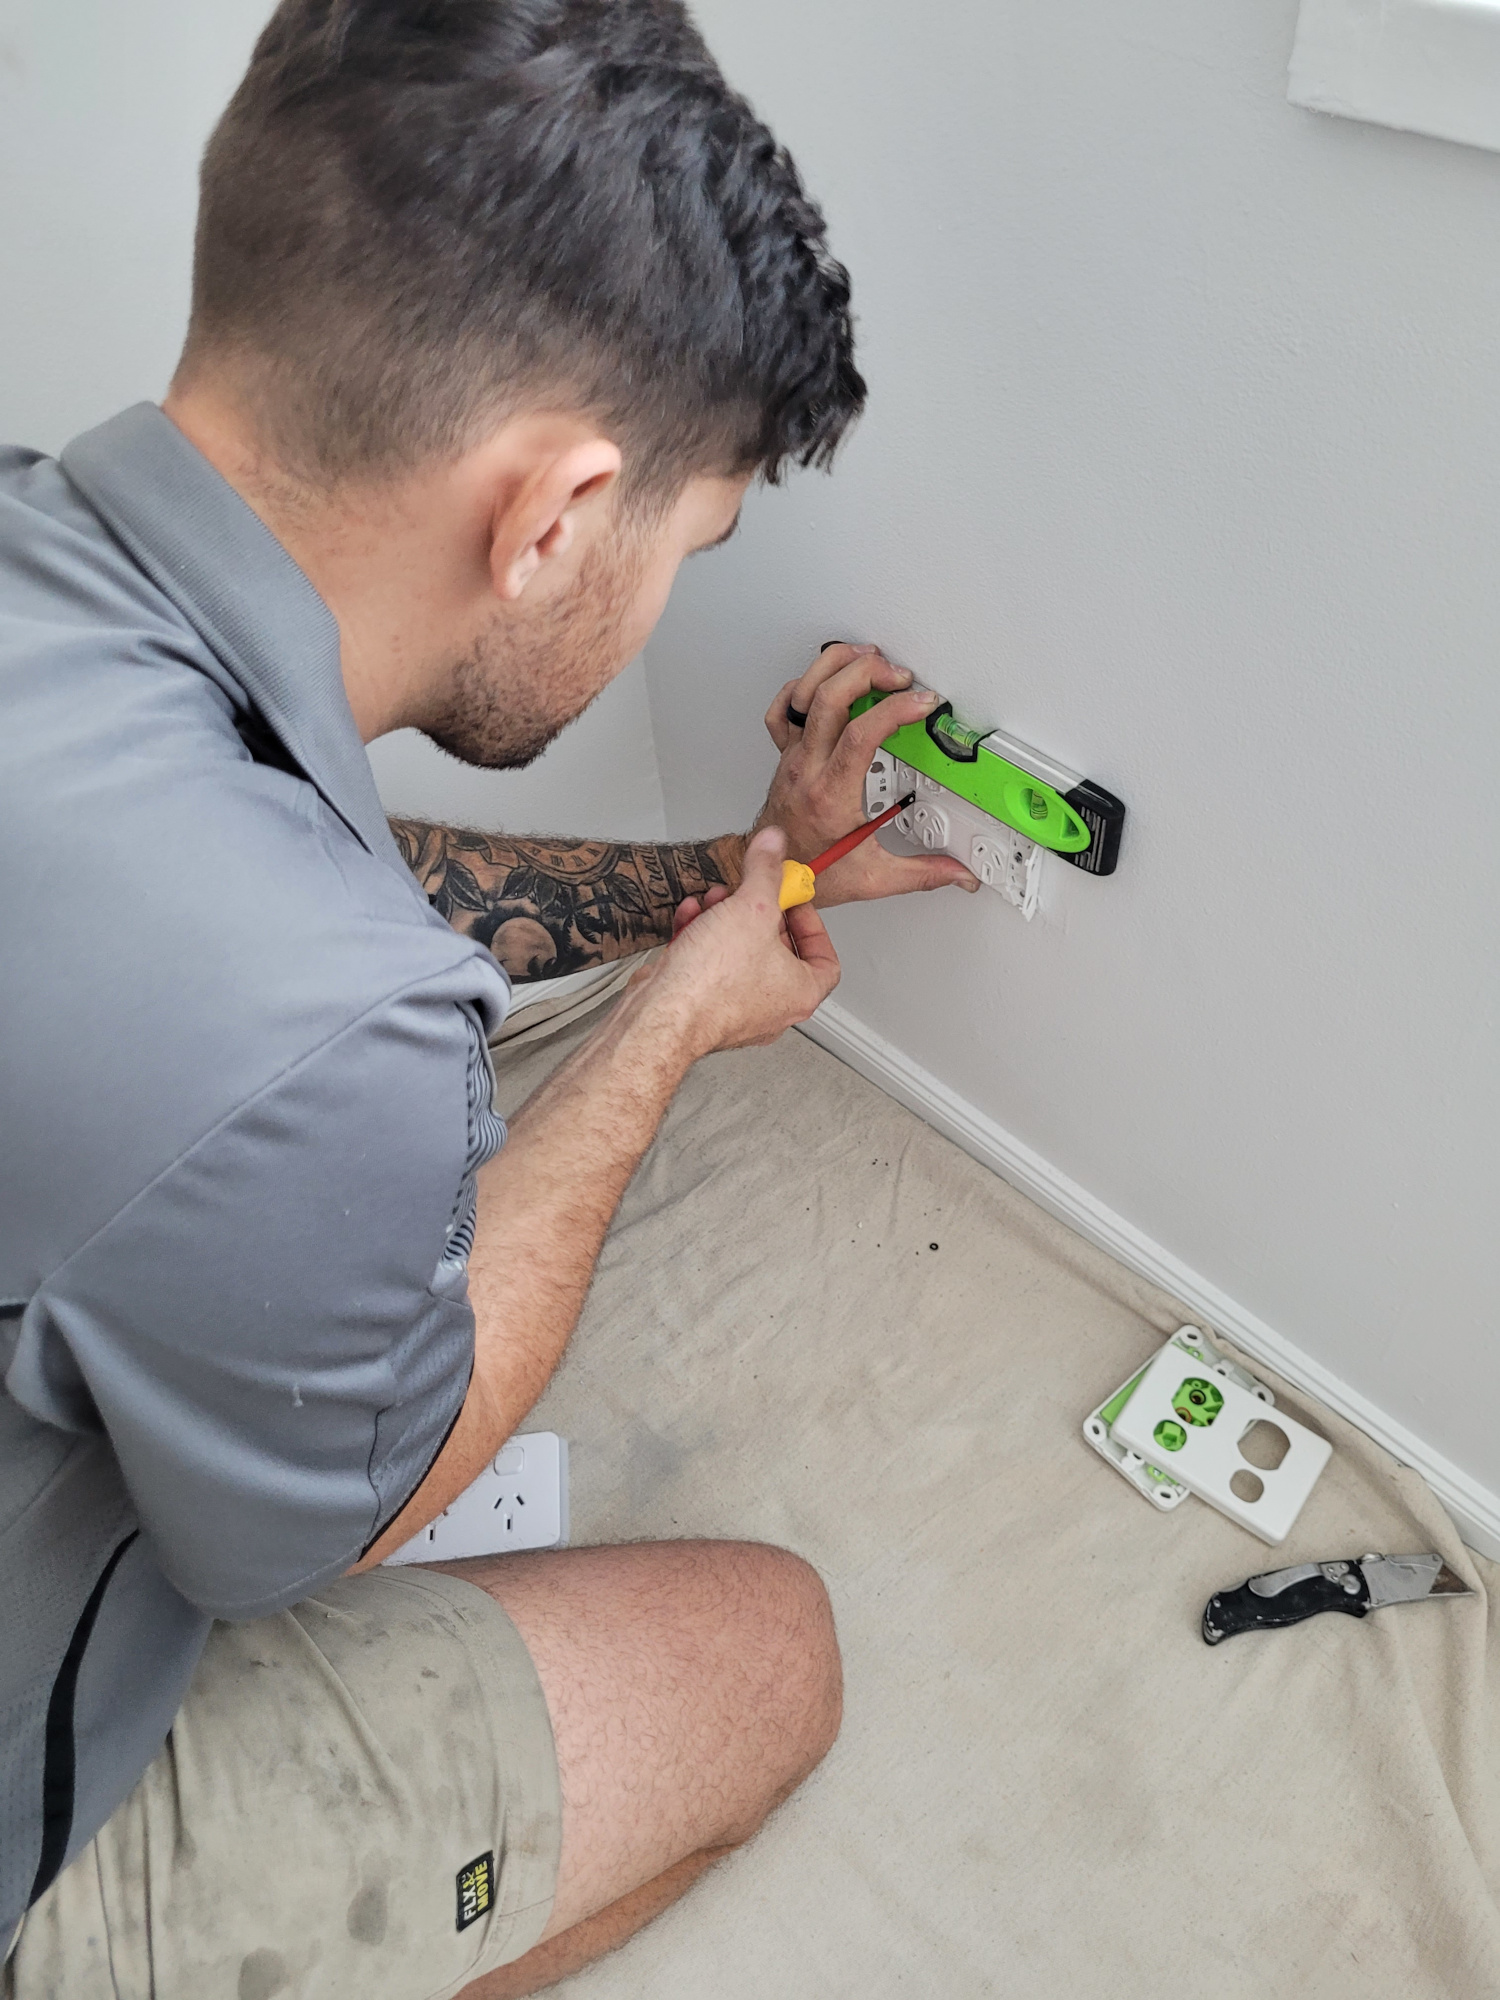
358,1801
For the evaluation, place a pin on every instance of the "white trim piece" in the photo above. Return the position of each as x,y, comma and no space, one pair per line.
1428,66
1474,1508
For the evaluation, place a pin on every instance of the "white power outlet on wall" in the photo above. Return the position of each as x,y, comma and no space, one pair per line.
939,820
519,1501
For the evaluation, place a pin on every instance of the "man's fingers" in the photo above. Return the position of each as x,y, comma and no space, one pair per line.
760,875
861,738
940,871
799,692
886,874
828,717
694,906
886,675
814,947
828,705
828,662
835,660
732,970
778,728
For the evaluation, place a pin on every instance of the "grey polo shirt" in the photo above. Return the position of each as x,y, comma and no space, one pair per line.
243,1096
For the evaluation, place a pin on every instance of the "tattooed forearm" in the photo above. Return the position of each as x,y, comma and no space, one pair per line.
545,907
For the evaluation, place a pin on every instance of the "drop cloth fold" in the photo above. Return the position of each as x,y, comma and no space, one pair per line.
1046,1784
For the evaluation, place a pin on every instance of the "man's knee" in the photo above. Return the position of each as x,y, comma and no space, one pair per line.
793,1655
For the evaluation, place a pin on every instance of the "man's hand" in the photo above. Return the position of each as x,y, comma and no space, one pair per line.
818,793
731,978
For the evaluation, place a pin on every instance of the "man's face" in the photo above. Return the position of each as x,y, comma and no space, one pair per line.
535,668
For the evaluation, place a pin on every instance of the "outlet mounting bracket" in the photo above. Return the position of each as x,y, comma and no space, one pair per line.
1004,860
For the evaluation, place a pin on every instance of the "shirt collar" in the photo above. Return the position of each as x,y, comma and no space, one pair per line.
232,580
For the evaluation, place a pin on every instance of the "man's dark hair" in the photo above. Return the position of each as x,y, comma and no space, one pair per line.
420,215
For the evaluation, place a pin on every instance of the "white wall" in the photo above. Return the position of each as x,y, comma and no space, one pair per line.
1183,463
104,109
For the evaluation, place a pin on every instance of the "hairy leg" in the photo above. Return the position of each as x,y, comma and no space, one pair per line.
692,1686
570,1951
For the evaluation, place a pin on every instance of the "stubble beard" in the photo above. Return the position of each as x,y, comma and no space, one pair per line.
521,684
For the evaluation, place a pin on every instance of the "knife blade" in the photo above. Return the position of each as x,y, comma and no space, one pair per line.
1287,1596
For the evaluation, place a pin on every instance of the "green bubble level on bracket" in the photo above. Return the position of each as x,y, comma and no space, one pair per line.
1017,798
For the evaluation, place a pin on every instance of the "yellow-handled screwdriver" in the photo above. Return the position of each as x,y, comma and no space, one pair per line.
799,879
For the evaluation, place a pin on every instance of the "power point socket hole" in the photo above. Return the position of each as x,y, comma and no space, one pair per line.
1264,1445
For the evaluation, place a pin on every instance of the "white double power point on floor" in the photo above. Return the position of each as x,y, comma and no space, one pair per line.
1159,1487
939,820
1200,1427
1193,1421
519,1501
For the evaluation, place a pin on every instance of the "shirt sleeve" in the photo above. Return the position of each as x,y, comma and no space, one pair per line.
276,1334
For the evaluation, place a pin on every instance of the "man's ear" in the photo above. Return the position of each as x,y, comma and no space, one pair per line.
536,519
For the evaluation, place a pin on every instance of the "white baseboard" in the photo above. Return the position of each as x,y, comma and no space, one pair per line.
1475,1510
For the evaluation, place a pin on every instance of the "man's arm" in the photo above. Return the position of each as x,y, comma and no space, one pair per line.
546,907
547,1197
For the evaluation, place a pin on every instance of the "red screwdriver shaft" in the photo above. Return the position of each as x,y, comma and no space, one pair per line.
851,840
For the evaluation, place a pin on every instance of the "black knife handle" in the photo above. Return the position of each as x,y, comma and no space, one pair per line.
1243,1610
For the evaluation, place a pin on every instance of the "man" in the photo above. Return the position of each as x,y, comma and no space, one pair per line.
499,305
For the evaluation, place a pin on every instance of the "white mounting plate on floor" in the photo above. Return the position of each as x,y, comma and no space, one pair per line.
939,820
519,1501
1205,1449
1160,1488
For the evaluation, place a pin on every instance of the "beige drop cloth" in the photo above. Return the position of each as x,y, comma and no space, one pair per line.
1047,1785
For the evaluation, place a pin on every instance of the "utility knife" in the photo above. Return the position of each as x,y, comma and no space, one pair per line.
1287,1596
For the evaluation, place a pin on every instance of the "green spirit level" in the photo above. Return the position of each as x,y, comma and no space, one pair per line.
1027,790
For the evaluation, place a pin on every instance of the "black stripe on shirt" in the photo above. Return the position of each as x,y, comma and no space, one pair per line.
60,1755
